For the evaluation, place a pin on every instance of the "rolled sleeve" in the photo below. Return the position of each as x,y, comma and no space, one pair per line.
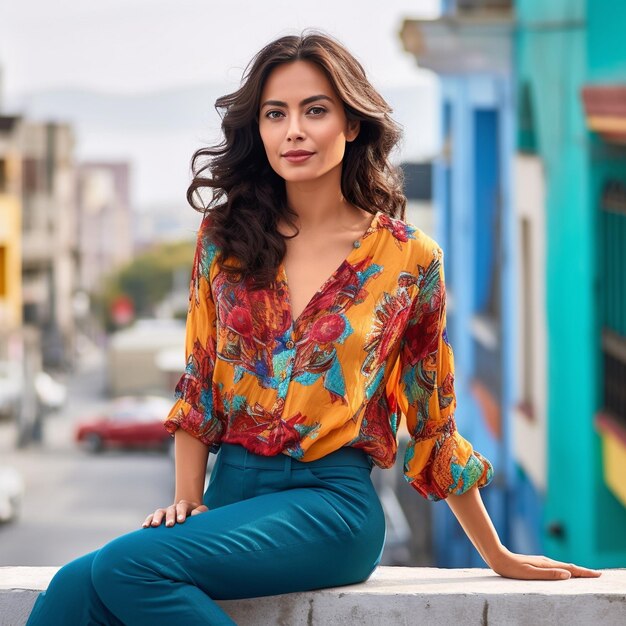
193,409
438,461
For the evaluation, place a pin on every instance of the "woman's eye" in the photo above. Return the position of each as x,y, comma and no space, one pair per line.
315,111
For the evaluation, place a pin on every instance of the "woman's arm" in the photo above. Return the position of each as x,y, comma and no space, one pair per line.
470,511
190,461
191,457
191,419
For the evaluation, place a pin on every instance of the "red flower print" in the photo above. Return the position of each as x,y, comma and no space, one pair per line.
263,432
421,339
203,359
396,227
240,320
189,388
328,328
447,387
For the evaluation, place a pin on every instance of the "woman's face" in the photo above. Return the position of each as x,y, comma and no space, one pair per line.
301,112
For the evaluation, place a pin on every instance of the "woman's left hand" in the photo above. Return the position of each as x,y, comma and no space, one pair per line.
532,567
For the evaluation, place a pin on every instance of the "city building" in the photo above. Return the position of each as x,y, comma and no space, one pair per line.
104,221
530,204
470,48
571,85
49,246
10,235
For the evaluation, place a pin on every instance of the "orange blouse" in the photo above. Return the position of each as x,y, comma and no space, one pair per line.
370,344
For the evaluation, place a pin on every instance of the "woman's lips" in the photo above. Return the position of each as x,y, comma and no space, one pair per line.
298,158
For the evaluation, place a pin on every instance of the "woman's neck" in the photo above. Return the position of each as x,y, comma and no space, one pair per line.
319,203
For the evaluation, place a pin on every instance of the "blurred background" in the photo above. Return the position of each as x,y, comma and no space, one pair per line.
514,152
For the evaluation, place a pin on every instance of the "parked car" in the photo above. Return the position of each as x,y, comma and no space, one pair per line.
130,422
11,493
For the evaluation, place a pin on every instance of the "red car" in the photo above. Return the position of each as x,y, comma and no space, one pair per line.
131,421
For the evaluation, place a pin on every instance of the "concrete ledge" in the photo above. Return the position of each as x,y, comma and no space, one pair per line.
395,595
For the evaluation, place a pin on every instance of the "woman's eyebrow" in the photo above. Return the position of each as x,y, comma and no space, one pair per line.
280,103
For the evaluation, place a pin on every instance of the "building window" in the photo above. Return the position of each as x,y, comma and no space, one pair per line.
30,175
526,136
488,209
485,323
612,250
3,175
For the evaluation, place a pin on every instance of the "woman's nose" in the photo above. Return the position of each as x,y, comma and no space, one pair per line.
294,131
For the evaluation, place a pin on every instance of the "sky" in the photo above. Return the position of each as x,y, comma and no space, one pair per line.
134,46
142,48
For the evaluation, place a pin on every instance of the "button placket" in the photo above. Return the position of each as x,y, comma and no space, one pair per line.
285,375
290,344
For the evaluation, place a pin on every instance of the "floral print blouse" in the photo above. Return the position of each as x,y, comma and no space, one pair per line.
369,345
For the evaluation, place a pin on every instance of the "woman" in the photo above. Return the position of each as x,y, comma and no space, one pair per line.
317,316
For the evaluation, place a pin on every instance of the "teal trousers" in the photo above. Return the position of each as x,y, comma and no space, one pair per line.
274,525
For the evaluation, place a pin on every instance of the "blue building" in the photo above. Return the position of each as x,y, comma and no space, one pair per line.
530,197
470,48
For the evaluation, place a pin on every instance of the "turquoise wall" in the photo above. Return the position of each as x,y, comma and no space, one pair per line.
539,13
554,60
606,56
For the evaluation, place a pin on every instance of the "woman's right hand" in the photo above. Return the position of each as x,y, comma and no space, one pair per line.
175,513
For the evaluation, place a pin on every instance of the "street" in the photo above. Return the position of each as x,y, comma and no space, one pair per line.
74,501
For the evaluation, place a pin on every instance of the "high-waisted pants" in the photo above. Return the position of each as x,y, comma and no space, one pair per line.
274,525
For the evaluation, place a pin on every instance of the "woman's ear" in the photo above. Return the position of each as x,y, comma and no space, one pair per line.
354,126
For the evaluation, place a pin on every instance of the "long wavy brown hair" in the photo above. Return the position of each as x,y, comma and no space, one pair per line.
248,197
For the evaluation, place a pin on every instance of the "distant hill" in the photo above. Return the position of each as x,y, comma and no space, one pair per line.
169,109
159,131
